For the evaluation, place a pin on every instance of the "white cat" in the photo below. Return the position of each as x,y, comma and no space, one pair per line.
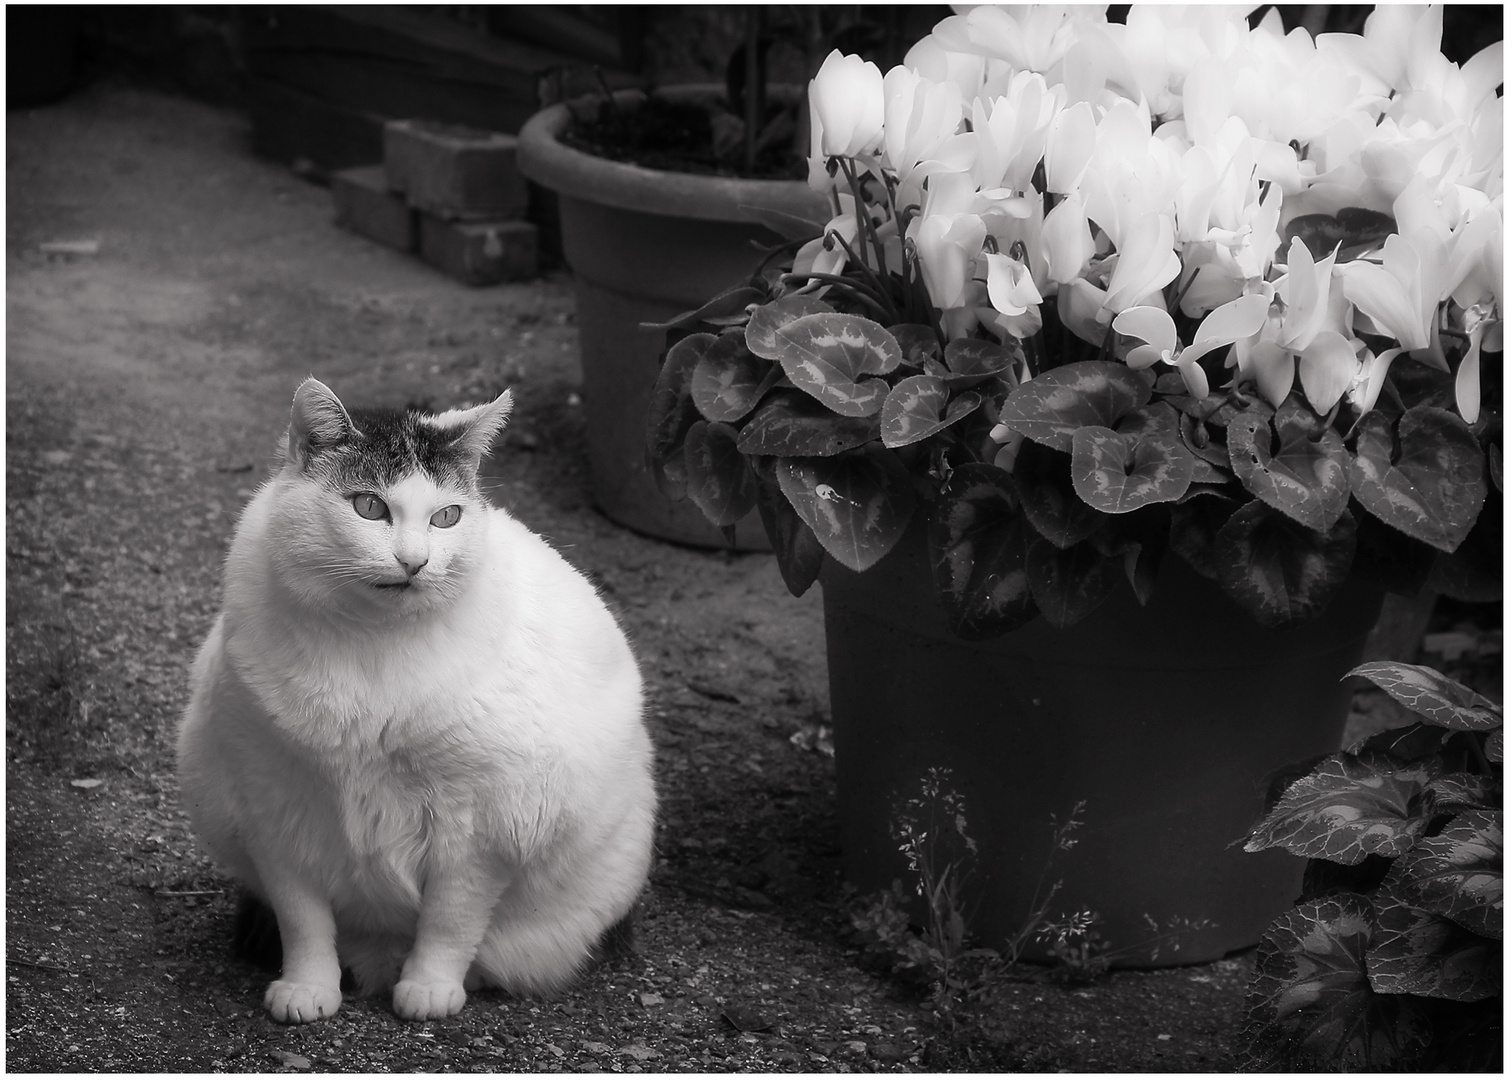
414,730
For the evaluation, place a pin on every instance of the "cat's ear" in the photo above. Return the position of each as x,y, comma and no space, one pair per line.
317,420
478,427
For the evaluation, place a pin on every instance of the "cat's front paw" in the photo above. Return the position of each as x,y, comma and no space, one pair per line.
300,1003
427,1001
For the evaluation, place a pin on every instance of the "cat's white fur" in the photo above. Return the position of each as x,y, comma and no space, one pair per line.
443,784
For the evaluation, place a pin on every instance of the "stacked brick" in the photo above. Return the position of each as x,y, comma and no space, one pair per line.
451,194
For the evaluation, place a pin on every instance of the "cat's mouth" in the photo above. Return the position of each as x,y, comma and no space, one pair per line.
392,586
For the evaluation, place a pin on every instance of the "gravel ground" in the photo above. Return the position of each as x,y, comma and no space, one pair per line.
147,379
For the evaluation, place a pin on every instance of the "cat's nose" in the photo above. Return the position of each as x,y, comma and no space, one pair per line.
414,565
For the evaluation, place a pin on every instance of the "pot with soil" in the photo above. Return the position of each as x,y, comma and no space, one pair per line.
644,245
1101,525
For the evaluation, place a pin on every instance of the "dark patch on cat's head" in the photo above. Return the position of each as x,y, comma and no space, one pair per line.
378,447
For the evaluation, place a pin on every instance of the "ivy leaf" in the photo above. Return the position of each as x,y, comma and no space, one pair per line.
1069,584
672,412
729,379
720,481
790,424
1307,478
1434,488
1417,952
917,407
826,355
978,547
1116,473
761,331
1349,807
1457,874
1282,572
1310,1005
797,550
1042,478
1051,407
1432,695
857,503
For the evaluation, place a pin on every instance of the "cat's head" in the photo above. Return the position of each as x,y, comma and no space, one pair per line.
379,510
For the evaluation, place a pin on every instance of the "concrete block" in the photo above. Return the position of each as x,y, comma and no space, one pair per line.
454,172
479,252
366,206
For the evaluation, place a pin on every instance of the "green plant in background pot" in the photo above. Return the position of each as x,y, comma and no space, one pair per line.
1120,381
1391,959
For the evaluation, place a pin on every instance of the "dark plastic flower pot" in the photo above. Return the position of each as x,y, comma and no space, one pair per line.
645,245
1167,720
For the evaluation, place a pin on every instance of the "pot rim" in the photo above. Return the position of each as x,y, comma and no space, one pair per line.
552,164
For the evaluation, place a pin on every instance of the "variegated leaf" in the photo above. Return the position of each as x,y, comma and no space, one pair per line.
1458,873
1053,406
790,424
1434,487
1307,478
919,406
1347,808
730,379
1042,478
978,545
761,331
857,504
672,412
797,550
828,355
973,361
1434,696
1116,473
1417,952
917,342
720,482
1310,1006
1281,572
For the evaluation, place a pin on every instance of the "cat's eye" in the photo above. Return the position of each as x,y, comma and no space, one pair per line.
446,517
369,506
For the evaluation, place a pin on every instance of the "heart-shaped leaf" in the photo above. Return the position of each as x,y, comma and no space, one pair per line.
1053,406
1042,478
1116,473
857,503
917,407
972,361
1457,873
797,550
1281,572
730,379
720,481
1434,489
1417,952
761,331
672,412
827,355
1434,696
1352,231
1349,807
1069,584
1310,1006
978,546
789,424
1307,478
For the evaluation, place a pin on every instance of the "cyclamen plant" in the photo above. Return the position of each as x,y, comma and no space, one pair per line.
1095,293
1392,959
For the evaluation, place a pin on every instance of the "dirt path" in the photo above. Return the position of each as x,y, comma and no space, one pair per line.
145,384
